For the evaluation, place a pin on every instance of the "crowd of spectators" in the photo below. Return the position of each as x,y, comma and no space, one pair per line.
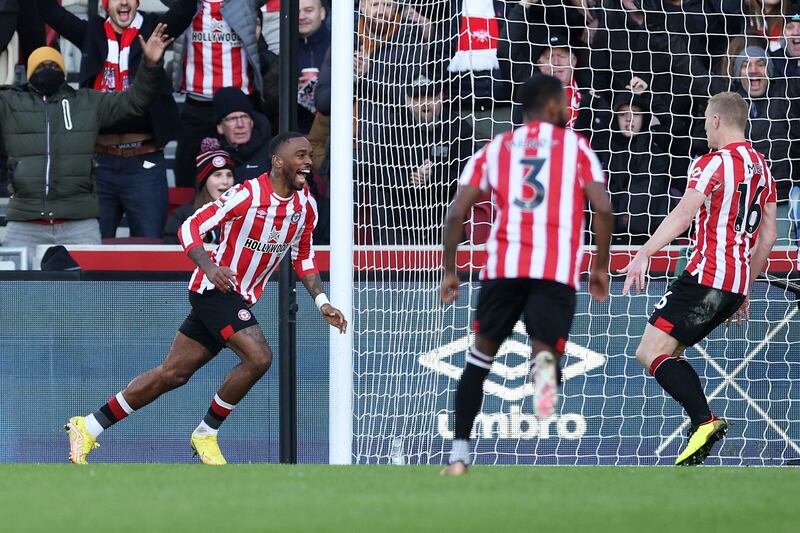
434,80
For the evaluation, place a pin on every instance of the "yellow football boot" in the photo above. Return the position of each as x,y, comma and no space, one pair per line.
81,442
207,448
701,439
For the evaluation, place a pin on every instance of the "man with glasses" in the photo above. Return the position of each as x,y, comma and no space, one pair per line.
243,133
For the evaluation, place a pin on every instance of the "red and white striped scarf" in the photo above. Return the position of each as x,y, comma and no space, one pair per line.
478,38
574,99
115,70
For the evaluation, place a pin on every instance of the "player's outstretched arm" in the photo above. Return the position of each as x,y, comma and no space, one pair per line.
676,223
332,316
602,221
466,197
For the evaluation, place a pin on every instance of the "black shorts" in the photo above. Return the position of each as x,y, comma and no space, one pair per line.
689,311
215,317
547,308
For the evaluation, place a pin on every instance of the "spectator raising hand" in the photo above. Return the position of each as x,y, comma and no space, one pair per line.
154,47
637,85
131,173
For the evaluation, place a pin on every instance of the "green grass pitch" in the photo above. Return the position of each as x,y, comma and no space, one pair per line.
147,498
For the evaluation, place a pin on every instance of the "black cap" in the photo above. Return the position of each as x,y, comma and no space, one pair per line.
231,100
423,85
557,39
793,13
57,258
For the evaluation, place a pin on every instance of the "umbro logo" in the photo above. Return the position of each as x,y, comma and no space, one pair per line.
219,25
261,213
509,377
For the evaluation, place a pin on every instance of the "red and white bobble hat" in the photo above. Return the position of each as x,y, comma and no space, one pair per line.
477,42
210,159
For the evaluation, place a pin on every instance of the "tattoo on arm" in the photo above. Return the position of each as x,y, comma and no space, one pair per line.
200,257
313,284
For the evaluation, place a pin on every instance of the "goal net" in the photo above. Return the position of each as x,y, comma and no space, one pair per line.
434,81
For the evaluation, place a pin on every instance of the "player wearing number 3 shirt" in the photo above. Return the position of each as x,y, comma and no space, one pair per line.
540,177
731,198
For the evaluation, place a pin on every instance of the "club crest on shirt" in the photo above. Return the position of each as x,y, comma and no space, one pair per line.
244,315
295,218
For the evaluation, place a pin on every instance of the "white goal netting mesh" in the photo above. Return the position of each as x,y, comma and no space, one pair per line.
435,80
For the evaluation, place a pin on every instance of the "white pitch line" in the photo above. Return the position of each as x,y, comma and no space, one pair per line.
728,378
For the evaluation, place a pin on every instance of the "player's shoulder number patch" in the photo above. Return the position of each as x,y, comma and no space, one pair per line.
227,195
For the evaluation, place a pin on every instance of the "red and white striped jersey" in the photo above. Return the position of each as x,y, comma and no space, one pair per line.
258,228
737,183
215,56
537,175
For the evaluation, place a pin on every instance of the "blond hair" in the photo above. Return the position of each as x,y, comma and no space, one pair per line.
731,108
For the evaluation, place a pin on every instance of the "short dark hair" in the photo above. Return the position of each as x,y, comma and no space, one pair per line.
282,138
537,91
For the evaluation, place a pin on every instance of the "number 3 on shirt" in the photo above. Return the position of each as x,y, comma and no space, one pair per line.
532,189
750,217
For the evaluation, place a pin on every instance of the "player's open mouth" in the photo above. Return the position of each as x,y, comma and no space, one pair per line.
304,174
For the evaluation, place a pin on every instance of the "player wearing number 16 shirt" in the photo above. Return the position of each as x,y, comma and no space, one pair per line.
540,177
731,198
261,220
